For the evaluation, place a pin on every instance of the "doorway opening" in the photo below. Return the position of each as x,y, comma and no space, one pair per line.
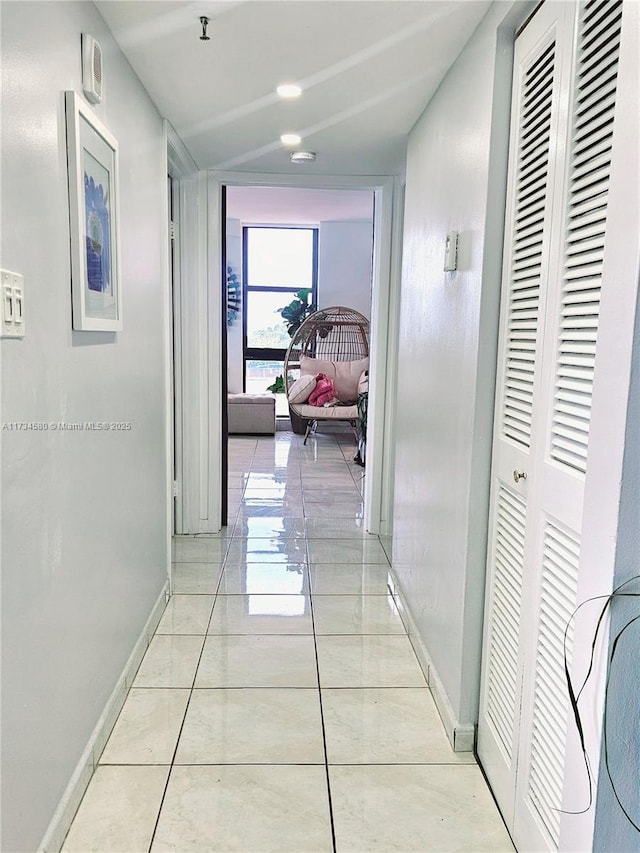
287,246
290,247
207,247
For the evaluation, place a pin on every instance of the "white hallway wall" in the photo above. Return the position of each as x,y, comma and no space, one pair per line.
446,370
84,531
345,263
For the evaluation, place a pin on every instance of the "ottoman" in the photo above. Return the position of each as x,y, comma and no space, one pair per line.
251,414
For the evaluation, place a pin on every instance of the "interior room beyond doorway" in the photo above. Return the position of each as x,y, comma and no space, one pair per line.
281,240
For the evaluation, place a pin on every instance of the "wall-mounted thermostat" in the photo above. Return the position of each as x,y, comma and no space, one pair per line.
451,252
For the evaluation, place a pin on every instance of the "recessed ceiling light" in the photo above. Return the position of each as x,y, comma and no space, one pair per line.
290,139
299,157
289,90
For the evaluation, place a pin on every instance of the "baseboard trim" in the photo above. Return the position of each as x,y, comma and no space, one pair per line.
461,736
72,797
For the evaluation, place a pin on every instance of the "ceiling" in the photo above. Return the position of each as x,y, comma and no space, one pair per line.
367,69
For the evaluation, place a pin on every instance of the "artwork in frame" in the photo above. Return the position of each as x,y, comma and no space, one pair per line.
92,158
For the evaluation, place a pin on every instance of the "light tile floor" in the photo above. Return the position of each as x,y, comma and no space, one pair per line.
280,706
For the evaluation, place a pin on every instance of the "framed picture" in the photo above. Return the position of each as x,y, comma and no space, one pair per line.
92,158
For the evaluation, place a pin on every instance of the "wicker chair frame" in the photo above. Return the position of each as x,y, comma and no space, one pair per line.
330,334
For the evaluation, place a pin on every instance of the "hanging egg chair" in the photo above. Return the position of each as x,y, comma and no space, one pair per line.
333,342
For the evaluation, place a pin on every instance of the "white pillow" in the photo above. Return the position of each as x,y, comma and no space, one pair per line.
345,374
300,390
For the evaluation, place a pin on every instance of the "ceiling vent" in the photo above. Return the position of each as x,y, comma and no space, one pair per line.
301,157
92,80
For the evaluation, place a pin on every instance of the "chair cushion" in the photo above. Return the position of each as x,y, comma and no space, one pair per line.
327,413
300,390
345,374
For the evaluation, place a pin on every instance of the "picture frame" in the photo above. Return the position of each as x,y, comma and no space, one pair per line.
92,162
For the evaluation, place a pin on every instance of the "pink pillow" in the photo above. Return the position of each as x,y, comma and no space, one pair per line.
324,394
345,374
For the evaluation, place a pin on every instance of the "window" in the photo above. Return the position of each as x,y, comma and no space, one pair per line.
278,262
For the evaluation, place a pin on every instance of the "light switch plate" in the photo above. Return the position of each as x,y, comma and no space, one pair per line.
12,292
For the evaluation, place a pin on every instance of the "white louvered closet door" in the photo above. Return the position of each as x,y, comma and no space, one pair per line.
536,530
540,82
562,422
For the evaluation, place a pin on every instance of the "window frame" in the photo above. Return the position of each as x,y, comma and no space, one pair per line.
271,353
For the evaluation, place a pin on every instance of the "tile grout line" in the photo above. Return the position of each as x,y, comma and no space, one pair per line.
184,717
324,734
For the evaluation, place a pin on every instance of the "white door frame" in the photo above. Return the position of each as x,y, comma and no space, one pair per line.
384,314
180,167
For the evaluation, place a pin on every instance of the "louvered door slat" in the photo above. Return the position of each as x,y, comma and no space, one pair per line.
502,677
532,219
520,419
518,406
534,184
590,114
524,254
504,604
586,146
584,179
540,72
585,231
554,702
527,276
596,122
565,409
598,92
540,76
591,166
527,244
536,160
578,346
508,588
586,208
528,236
599,32
581,392
599,16
589,153
569,395
507,640
600,70
557,602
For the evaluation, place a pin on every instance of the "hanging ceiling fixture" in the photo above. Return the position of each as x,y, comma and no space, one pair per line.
205,23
